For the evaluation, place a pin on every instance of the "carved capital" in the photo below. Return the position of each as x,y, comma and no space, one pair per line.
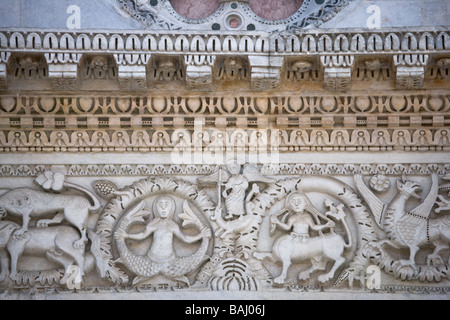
199,70
132,70
4,57
410,70
265,71
63,70
337,71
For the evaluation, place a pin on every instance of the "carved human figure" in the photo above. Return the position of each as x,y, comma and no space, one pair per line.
301,221
299,246
164,229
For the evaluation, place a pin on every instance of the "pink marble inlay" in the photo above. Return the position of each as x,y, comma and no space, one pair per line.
195,9
275,9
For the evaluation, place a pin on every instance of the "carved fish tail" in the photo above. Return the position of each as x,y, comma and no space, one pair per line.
140,265
185,265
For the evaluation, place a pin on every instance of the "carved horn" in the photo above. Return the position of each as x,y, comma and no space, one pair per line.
3,191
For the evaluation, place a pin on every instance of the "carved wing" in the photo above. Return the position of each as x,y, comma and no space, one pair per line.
214,178
253,175
377,206
412,227
189,217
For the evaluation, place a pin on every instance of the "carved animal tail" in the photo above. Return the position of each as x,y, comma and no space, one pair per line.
96,202
140,265
186,265
145,267
96,252
349,242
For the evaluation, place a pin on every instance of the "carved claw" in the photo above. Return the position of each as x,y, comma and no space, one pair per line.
435,260
42,224
279,280
324,278
444,204
79,244
303,276
20,235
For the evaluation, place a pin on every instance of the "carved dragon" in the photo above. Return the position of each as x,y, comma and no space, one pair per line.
409,229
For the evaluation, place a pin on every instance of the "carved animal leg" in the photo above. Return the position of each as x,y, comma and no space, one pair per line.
4,264
330,275
78,219
70,254
412,258
44,223
263,255
286,264
61,259
318,264
16,248
20,234
435,258
283,249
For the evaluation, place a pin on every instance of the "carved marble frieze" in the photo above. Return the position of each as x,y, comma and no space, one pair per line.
281,123
279,162
221,228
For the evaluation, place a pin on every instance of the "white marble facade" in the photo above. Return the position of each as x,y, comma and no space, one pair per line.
144,153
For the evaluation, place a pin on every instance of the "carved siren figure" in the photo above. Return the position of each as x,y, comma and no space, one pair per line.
147,210
161,258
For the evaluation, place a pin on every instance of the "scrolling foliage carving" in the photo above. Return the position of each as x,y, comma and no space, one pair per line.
232,229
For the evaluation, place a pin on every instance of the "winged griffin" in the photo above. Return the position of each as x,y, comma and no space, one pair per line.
409,229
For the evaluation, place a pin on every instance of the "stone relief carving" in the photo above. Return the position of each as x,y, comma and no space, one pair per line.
63,244
234,229
157,203
161,258
343,59
202,227
299,245
413,229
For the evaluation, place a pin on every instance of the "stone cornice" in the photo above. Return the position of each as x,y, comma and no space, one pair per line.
334,54
299,42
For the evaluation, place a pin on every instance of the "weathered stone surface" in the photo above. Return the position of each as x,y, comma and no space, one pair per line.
147,154
275,10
